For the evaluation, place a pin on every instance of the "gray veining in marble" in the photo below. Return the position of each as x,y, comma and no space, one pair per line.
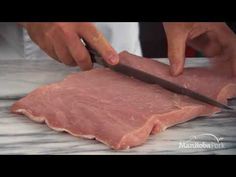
19,135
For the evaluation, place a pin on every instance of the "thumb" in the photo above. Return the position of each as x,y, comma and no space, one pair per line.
98,42
176,53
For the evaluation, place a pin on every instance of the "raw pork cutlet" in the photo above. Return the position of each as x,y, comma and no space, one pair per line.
205,80
118,110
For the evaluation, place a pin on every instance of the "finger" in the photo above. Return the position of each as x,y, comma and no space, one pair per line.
44,43
176,53
47,46
63,53
97,41
78,51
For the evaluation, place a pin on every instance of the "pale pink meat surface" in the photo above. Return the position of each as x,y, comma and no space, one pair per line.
121,111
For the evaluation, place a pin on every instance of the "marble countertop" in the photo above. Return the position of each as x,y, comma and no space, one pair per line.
19,135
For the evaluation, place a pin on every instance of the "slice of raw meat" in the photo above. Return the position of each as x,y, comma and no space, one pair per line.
205,80
118,110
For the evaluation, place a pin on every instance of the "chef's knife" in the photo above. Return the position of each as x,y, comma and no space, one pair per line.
151,79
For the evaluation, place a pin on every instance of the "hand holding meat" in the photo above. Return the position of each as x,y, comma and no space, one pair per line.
214,40
62,41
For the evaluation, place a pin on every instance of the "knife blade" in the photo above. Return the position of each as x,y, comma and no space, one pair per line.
151,79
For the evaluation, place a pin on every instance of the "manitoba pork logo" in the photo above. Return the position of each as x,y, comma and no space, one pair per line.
202,141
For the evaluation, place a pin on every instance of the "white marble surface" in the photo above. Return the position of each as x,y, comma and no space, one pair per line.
19,135
8,52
